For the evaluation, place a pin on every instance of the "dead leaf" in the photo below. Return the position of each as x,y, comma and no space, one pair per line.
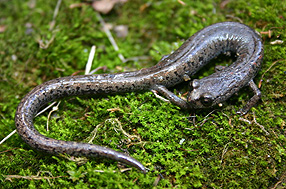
276,42
2,28
181,2
105,6
121,31
113,109
144,6
76,5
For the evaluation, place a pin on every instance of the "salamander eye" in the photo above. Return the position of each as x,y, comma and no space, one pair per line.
206,99
194,84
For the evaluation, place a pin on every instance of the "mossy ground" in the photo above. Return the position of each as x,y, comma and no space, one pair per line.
218,149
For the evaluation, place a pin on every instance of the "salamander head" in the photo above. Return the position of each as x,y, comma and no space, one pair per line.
202,94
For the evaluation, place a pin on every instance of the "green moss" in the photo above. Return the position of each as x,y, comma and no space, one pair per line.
218,150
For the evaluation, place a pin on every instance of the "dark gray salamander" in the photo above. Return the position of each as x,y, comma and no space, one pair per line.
197,51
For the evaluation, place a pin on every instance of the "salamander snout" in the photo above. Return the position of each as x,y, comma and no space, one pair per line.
198,97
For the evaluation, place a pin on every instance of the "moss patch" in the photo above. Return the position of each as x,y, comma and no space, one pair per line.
214,149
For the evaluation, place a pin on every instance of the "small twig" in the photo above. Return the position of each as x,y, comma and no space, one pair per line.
8,136
55,108
280,180
234,17
261,126
122,130
113,109
45,45
110,37
156,181
8,150
269,33
254,121
275,186
224,152
276,42
158,96
10,177
245,120
181,2
205,119
90,59
223,3
202,122
121,170
189,129
94,132
229,119
56,11
261,79
77,160
104,68
45,109
276,137
137,143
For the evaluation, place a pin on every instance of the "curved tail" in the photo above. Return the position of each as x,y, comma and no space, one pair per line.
40,96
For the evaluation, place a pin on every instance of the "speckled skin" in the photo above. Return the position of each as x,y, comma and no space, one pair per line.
176,68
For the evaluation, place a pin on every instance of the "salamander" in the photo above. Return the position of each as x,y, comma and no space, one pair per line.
178,67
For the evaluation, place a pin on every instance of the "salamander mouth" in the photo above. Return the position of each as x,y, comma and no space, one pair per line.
202,100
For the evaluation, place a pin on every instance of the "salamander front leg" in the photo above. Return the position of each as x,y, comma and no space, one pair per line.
253,100
171,96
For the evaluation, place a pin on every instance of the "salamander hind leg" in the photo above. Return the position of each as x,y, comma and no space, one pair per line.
256,97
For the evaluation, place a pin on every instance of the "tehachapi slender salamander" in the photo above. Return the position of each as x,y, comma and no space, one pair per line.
197,51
